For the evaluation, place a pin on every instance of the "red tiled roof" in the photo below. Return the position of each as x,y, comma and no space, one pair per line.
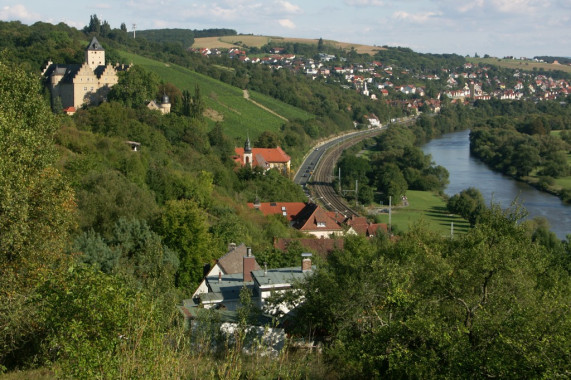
374,229
270,155
314,218
277,208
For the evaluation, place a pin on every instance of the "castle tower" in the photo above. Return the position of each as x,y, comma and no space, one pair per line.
247,152
165,105
95,54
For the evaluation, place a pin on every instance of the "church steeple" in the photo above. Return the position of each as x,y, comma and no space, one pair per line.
247,152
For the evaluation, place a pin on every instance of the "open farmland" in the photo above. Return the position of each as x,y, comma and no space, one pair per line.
243,40
520,64
224,103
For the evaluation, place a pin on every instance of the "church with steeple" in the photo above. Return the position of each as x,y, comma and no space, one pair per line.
73,86
265,158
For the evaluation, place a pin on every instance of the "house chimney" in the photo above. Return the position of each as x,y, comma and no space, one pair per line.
219,277
305,262
249,263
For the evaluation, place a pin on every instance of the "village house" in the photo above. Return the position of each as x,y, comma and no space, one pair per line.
221,291
77,85
306,217
265,158
164,106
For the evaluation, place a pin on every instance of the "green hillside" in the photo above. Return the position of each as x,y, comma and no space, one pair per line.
224,102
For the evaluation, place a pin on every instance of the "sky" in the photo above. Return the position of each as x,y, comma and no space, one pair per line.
519,28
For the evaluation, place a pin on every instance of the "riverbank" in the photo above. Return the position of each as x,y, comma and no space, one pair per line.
423,207
453,152
555,187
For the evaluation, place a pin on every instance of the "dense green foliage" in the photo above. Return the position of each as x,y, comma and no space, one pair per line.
36,206
468,203
394,166
489,304
520,144
88,283
427,63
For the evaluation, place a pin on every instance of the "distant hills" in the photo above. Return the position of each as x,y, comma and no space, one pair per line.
248,40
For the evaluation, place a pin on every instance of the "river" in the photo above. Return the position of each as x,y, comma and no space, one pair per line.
453,152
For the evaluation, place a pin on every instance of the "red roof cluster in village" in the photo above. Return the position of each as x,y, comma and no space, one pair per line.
310,218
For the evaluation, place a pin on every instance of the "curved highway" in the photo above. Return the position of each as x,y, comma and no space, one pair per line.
316,170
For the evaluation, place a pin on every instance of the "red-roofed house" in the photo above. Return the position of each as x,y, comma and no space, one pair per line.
315,221
361,226
287,209
306,217
265,158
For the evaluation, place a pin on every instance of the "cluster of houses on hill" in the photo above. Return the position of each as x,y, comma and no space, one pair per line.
377,80
238,268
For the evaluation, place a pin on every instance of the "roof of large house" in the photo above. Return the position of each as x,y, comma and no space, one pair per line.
291,209
231,262
280,276
268,154
314,218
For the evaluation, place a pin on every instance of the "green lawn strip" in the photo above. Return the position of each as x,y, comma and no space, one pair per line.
564,182
428,207
239,115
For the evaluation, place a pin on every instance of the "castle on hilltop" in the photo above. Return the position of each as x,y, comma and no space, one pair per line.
86,84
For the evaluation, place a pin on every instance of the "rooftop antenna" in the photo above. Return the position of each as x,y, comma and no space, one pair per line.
134,29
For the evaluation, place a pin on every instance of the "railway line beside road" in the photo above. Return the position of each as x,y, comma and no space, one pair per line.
316,173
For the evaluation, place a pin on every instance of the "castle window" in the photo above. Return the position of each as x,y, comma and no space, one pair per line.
84,88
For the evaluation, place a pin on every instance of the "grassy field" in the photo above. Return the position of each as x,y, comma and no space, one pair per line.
243,40
425,207
565,182
284,109
224,103
519,64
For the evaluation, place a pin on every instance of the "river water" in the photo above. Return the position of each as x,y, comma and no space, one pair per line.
453,152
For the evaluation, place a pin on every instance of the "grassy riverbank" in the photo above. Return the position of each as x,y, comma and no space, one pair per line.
425,207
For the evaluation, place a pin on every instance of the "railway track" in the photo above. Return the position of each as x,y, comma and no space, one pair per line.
322,179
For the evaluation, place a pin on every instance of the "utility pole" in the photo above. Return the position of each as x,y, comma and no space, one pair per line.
356,192
134,29
390,214
340,192
451,230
